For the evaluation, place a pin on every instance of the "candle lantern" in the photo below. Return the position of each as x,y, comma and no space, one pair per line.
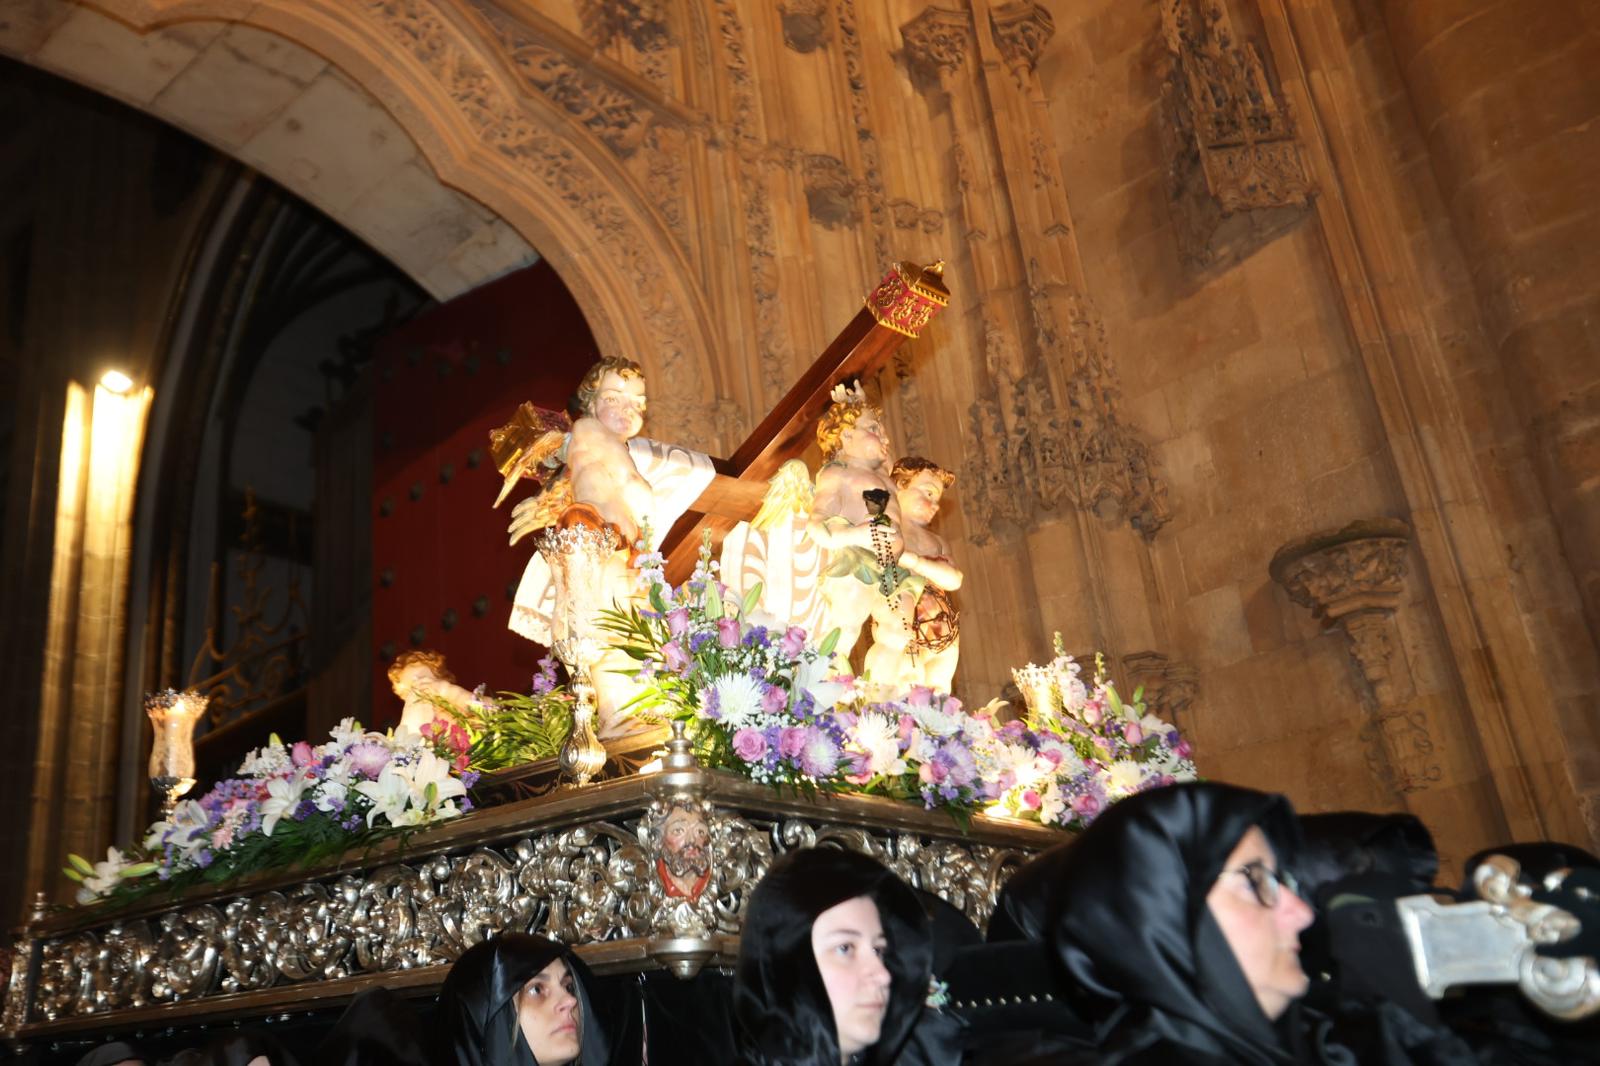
173,716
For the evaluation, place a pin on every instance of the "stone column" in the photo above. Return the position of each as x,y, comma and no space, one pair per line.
1505,93
1353,578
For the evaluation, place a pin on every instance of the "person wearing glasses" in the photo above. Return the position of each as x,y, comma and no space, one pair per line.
1175,922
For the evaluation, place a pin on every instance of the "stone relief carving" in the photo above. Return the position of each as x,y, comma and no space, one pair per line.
805,24
557,166
1170,687
772,333
1354,578
830,192
938,39
1236,179
1021,30
652,149
1051,437
642,23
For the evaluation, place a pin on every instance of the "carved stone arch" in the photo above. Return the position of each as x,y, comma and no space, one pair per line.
478,135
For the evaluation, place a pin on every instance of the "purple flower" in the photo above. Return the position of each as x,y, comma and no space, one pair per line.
774,699
757,638
792,742
728,632
368,758
820,757
712,705
793,642
673,657
698,641
749,744
545,680
678,621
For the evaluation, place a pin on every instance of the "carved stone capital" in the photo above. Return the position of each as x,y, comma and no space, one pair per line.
938,39
1169,686
1340,572
805,24
1021,30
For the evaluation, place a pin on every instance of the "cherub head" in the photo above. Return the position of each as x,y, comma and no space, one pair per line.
409,667
612,393
852,429
920,485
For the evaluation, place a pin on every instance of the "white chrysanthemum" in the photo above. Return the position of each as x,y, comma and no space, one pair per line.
879,739
1123,777
738,700
935,721
1070,764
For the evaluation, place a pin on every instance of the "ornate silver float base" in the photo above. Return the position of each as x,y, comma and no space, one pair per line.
586,866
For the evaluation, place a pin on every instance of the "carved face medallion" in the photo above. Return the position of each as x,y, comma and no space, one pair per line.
684,863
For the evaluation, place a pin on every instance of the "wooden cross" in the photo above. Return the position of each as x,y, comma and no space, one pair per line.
904,302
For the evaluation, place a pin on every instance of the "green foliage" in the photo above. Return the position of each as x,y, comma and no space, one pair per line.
519,729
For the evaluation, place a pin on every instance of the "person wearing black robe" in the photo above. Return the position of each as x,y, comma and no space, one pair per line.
1145,959
782,1013
479,1003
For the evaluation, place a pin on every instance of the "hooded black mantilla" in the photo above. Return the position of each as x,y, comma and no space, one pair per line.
1132,930
478,1003
781,1008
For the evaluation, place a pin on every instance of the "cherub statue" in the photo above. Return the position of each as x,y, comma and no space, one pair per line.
422,681
589,477
587,460
916,636
854,516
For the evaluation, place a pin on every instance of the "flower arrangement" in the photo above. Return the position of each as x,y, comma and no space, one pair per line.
294,804
753,699
506,730
1081,746
761,704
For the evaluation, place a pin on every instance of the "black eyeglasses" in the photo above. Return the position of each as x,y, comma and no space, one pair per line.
1268,884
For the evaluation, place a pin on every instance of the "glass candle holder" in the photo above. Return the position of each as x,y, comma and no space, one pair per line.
173,715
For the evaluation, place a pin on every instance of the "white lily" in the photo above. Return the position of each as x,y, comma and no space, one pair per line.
283,796
389,795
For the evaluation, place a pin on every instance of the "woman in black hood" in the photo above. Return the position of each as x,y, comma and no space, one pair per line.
519,1000
791,1009
1177,928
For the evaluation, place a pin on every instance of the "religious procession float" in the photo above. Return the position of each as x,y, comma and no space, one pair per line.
715,711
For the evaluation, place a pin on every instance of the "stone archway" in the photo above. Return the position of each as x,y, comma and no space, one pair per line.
378,113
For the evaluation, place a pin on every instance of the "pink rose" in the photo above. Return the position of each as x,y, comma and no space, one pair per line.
791,742
749,744
919,696
908,724
774,699
673,657
1092,713
678,621
1087,805
1030,799
793,642
1183,750
1132,733
728,632
300,754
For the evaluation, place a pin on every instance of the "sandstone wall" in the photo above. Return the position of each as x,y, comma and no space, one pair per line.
1186,333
